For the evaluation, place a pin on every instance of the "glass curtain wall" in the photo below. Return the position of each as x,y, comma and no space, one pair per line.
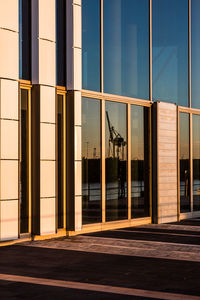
61,42
196,162
116,161
170,51
126,47
195,63
184,157
139,162
24,162
91,47
91,161
25,39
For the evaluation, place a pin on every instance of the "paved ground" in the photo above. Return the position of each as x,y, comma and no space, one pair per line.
146,262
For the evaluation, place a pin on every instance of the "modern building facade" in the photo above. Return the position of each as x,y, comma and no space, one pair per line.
99,115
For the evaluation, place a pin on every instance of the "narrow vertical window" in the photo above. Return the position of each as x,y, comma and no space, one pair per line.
139,162
61,42
116,162
184,156
196,162
91,60
25,39
91,161
61,185
24,162
195,67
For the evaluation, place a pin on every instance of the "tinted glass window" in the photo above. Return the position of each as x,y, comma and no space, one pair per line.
91,161
170,51
25,39
195,53
60,160
24,164
184,152
126,47
91,60
116,162
61,42
196,162
139,162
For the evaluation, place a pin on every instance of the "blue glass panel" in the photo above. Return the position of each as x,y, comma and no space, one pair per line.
170,51
91,44
126,48
195,53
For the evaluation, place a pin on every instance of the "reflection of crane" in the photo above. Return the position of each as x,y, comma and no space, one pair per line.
116,139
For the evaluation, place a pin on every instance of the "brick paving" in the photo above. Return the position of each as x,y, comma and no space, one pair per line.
145,262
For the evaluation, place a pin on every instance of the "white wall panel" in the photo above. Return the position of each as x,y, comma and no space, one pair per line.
9,54
9,220
9,99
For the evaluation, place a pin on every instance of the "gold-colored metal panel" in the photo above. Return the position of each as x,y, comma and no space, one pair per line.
116,98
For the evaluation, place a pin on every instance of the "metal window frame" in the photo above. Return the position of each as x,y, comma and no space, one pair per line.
62,92
25,85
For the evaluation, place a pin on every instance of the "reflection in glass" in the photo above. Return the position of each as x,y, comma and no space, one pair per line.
126,47
24,195
116,162
61,42
196,162
184,144
91,44
139,162
195,68
91,161
60,159
170,51
24,39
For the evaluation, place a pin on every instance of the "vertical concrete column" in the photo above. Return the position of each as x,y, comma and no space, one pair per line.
165,162
74,123
9,70
43,110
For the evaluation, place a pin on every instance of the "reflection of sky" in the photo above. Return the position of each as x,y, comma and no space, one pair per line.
126,47
137,132
170,51
195,53
90,128
184,135
196,136
91,44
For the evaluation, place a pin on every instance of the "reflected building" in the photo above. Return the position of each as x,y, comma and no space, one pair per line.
100,115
